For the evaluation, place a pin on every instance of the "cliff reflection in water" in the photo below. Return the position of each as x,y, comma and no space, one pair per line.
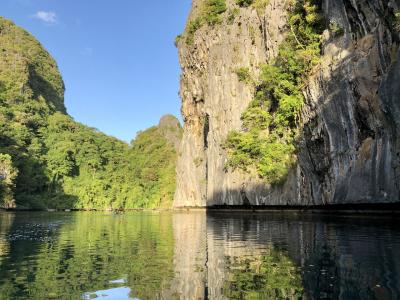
196,255
286,256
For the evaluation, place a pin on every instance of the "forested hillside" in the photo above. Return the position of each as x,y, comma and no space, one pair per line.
47,160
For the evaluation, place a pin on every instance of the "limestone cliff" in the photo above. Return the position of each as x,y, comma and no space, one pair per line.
349,148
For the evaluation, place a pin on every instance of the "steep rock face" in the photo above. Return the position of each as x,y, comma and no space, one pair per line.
213,99
349,147
349,150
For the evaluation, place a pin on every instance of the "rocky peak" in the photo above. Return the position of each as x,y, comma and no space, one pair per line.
171,129
169,121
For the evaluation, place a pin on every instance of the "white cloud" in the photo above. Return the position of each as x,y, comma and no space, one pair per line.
48,17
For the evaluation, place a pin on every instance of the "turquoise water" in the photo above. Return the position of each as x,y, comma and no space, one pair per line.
196,255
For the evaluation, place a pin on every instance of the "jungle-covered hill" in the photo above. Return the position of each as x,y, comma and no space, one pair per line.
47,160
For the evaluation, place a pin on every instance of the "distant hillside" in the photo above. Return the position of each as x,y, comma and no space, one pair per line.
153,160
47,160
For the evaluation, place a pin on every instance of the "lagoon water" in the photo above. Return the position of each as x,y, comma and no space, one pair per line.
198,255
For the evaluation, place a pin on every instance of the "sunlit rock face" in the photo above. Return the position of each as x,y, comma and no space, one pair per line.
213,99
349,147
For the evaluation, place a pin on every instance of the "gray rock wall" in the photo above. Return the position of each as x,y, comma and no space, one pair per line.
349,149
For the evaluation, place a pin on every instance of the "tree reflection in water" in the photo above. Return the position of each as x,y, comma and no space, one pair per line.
271,275
62,256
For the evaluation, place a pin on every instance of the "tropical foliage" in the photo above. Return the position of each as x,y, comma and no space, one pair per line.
212,11
244,3
244,75
47,160
258,5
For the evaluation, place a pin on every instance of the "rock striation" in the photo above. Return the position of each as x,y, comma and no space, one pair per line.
349,149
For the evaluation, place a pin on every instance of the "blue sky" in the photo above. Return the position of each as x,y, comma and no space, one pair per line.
117,57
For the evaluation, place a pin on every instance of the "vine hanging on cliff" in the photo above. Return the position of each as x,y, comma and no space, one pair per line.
267,142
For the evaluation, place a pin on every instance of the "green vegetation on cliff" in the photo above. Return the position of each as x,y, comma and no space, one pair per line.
259,5
210,13
267,143
47,160
244,3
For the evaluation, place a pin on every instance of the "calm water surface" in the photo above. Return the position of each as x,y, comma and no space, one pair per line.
198,256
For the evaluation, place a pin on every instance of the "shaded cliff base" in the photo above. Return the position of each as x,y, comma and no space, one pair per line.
387,208
335,210
259,200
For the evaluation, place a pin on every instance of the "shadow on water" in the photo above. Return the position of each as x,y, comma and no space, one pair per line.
270,255
198,255
335,257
